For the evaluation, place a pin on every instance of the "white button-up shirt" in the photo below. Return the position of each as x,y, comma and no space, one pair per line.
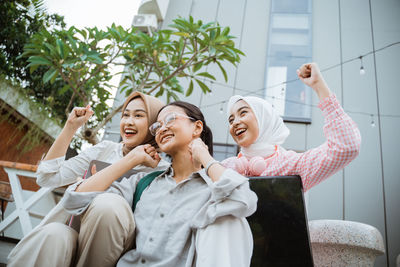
59,172
168,213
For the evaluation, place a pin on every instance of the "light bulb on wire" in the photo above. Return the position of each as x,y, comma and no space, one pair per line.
362,70
221,109
372,121
211,86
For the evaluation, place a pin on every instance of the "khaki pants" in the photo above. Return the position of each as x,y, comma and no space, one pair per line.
107,231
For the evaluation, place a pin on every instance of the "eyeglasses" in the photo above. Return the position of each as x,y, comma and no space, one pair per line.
168,121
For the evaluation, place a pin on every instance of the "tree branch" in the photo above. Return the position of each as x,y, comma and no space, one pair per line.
183,51
177,70
140,88
69,104
70,84
157,67
106,119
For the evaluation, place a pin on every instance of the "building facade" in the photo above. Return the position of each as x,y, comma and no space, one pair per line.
357,46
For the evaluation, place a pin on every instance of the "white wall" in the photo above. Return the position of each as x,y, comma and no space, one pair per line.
341,31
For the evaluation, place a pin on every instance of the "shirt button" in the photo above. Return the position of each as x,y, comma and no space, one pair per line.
143,261
151,239
162,215
171,192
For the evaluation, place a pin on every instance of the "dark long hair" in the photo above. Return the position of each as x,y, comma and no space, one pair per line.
194,112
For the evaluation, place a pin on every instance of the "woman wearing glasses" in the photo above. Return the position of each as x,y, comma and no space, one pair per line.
176,209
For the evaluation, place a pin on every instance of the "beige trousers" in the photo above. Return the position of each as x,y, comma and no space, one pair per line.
107,231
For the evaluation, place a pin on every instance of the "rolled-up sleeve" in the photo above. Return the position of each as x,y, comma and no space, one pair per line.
77,202
59,172
230,195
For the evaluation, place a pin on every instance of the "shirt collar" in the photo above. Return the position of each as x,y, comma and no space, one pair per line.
169,172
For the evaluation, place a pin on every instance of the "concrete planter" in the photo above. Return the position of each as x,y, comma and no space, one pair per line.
344,243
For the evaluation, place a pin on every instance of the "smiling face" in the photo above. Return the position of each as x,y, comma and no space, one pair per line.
134,124
176,136
243,125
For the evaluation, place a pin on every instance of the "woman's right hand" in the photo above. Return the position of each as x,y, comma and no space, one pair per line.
79,116
145,154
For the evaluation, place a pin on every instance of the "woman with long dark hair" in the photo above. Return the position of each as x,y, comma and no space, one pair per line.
194,193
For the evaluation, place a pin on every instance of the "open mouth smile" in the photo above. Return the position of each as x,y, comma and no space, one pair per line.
240,132
130,132
166,138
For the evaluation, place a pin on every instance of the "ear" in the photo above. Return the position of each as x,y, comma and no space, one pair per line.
198,128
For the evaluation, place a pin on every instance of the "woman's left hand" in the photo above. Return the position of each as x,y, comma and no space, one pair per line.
310,75
199,152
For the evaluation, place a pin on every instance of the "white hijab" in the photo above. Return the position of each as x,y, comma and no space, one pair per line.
271,129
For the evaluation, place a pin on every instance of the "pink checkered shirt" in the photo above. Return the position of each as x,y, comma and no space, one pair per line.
342,145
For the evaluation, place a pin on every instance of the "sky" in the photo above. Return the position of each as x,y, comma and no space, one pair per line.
90,13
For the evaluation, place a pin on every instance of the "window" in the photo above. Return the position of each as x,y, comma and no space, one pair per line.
223,151
289,47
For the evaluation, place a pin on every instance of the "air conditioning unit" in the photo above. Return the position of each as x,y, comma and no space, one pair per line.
157,7
145,22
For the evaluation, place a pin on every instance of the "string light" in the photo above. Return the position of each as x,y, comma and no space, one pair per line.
372,121
221,109
260,91
210,93
362,70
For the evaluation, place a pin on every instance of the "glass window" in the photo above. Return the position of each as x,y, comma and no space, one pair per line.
291,6
223,151
289,46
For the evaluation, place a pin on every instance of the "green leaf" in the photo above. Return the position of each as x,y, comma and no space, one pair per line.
60,48
190,89
177,88
174,96
52,49
184,34
212,50
83,33
64,89
33,68
225,31
207,75
38,60
197,66
49,75
223,71
72,41
212,34
203,87
160,92
238,51
95,59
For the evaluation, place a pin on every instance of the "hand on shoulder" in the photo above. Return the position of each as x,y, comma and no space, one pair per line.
199,152
145,155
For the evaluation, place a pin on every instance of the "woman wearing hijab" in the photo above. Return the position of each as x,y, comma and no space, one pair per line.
107,228
259,131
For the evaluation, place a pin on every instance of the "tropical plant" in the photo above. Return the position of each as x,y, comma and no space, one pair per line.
153,63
